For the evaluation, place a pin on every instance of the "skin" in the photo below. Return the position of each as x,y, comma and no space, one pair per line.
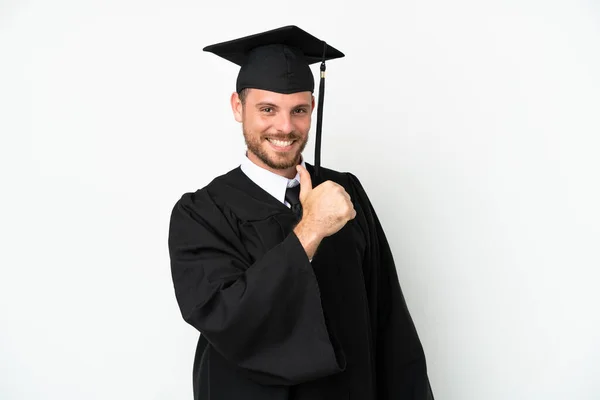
268,115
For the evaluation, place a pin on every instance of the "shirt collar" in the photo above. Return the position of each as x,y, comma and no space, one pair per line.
272,183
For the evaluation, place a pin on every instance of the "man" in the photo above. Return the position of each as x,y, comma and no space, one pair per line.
292,287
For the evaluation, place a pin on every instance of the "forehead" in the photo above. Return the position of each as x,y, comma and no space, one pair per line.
264,96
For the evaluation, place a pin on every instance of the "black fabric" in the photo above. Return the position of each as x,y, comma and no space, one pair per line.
276,60
276,68
292,196
274,325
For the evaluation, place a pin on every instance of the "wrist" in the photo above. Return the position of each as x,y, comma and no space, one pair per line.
309,238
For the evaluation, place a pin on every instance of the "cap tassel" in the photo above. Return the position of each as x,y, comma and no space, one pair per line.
320,113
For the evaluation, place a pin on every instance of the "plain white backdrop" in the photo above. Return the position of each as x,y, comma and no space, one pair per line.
474,127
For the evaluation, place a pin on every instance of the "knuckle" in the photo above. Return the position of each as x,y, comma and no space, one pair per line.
352,211
349,209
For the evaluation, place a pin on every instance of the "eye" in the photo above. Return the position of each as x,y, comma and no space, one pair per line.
267,110
300,111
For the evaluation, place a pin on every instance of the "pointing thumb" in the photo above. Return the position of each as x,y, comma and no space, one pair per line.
305,182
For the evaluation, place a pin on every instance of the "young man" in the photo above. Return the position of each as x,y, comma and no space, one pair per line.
285,269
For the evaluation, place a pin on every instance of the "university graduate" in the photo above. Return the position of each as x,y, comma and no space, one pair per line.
283,267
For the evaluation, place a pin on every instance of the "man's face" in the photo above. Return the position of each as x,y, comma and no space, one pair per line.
275,126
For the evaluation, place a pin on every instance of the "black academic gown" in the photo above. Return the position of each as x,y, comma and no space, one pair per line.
276,326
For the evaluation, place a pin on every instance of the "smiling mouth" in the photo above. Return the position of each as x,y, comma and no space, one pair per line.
281,143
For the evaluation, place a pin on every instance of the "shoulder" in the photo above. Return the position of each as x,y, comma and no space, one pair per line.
349,182
201,215
205,198
344,178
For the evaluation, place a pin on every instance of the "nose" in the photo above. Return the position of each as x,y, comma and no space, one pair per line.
283,123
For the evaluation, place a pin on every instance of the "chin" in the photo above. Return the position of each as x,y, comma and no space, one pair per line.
281,162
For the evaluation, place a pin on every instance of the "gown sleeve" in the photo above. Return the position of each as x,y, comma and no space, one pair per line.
266,317
401,370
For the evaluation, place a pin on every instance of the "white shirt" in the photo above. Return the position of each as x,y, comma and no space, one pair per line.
272,183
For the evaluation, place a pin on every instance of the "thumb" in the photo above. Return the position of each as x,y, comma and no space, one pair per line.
305,182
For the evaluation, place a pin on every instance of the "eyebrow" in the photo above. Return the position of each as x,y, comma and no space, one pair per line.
305,105
263,104
267,104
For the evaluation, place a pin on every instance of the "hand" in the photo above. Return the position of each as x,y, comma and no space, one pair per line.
326,208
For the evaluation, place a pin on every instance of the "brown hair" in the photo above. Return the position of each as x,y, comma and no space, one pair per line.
243,94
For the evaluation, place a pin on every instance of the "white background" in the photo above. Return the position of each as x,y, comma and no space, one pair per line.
474,127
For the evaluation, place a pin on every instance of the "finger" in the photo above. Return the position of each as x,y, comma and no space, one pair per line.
305,182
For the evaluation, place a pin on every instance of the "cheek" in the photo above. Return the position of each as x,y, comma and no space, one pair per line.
256,123
302,125
261,122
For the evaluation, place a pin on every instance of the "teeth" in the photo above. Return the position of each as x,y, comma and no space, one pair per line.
281,143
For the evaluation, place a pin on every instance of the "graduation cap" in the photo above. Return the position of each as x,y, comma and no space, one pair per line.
278,61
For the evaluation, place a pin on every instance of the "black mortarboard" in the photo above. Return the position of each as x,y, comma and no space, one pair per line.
278,61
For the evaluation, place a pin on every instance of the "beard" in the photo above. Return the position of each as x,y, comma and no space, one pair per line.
255,144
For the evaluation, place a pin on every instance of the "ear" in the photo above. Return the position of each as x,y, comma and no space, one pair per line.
237,107
313,103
